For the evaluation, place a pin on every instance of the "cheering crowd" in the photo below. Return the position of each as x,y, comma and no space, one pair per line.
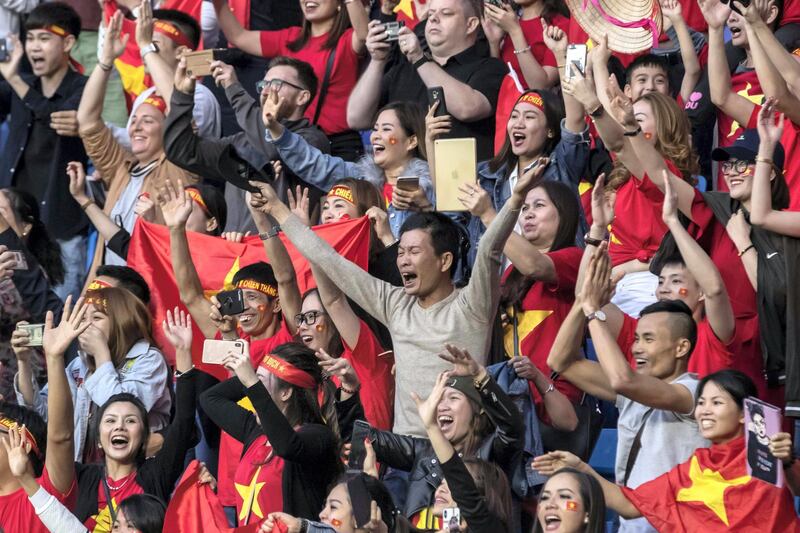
234,297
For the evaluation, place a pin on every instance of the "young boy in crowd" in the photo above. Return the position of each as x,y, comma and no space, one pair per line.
36,154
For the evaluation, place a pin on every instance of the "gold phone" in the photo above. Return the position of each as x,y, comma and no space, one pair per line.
456,165
199,63
215,351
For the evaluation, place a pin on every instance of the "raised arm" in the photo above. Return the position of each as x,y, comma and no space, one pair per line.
10,69
556,41
60,443
671,9
246,40
156,66
717,303
638,387
359,20
784,62
77,188
365,97
770,130
722,96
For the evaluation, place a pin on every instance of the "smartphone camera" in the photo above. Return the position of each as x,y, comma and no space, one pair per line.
5,50
393,30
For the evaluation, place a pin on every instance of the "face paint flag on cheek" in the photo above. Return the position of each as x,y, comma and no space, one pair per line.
682,291
572,505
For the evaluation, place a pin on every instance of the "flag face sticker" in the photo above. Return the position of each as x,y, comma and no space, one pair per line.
572,505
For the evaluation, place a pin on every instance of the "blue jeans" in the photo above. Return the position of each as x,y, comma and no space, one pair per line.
73,253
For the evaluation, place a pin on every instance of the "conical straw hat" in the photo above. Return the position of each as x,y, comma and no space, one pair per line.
609,17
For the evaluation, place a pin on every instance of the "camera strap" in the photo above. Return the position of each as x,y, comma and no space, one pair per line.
326,81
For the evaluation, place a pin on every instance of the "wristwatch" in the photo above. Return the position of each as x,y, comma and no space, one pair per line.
421,61
152,47
599,315
592,242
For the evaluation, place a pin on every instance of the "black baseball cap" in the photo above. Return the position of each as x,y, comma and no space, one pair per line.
746,149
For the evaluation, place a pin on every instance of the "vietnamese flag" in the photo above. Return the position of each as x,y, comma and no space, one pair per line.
194,507
217,260
510,91
712,492
406,11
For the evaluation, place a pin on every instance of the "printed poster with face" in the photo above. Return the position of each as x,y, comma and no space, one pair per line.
762,421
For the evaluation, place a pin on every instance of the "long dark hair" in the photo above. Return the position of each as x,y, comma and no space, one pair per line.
551,8
553,113
591,494
335,348
493,485
412,119
517,285
145,512
39,242
125,397
340,24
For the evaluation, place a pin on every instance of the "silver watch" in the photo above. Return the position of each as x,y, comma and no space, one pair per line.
152,47
599,315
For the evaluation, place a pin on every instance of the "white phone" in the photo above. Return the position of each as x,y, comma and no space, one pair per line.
576,54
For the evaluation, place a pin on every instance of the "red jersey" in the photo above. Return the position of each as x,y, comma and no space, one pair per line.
544,308
713,237
791,12
532,29
17,514
119,490
230,449
791,166
344,74
691,13
375,374
258,482
637,229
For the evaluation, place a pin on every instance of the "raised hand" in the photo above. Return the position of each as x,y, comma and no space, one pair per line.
598,285
602,203
144,24
435,127
17,448
621,107
299,204
380,222
177,328
504,17
56,340
266,199
427,408
339,367
669,211
738,230
240,364
183,82
224,74
114,42
671,9
475,199
529,179
582,88
463,363
145,207
273,109
9,69
770,127
755,11
176,204
715,12
377,45
549,463
77,181
19,343
554,38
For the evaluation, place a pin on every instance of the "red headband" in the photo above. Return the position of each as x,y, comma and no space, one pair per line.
13,425
342,191
157,102
255,285
173,33
97,284
532,98
288,372
195,195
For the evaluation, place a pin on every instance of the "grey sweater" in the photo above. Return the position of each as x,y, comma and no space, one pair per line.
464,318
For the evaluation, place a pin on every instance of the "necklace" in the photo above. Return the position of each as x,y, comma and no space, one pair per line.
112,487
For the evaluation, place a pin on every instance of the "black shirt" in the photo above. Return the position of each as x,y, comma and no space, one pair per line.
481,72
35,157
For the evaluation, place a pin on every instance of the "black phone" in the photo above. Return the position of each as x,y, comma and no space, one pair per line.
744,3
436,94
4,55
358,452
231,303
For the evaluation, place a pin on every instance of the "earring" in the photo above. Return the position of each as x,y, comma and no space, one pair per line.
550,134
586,519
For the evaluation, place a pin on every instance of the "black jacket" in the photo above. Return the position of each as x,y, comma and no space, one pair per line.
157,475
416,455
310,454
472,504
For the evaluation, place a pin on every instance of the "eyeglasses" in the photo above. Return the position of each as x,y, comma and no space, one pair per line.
309,317
276,84
739,165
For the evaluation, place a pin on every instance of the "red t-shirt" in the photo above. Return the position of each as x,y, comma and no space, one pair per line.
375,374
637,229
119,490
532,30
690,10
544,308
714,239
230,449
344,74
258,483
17,514
728,130
791,12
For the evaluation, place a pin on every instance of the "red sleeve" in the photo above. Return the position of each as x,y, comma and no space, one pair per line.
567,262
702,216
651,190
68,498
273,43
656,500
626,336
709,354
375,374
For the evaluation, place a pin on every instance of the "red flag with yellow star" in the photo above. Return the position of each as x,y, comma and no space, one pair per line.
217,260
712,492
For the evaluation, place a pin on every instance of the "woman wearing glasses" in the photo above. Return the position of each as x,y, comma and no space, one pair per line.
325,322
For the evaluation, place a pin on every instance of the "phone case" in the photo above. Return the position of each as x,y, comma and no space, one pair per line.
199,63
455,165
215,351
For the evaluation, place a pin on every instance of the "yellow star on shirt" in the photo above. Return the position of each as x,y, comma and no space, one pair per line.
708,487
528,321
406,7
249,494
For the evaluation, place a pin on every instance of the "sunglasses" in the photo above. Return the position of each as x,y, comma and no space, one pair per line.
309,317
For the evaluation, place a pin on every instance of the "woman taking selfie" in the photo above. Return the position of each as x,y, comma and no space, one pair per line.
287,445
117,355
712,491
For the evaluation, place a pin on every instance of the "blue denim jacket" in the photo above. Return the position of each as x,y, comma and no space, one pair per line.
567,164
323,170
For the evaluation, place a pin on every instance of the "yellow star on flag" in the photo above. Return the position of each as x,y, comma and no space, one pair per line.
249,494
406,7
708,487
227,283
755,98
528,320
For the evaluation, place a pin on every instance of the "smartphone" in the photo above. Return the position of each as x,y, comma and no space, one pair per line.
4,51
576,54
532,165
455,166
393,30
199,63
451,516
35,333
496,3
215,351
20,263
733,6
358,452
231,303
408,183
436,94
